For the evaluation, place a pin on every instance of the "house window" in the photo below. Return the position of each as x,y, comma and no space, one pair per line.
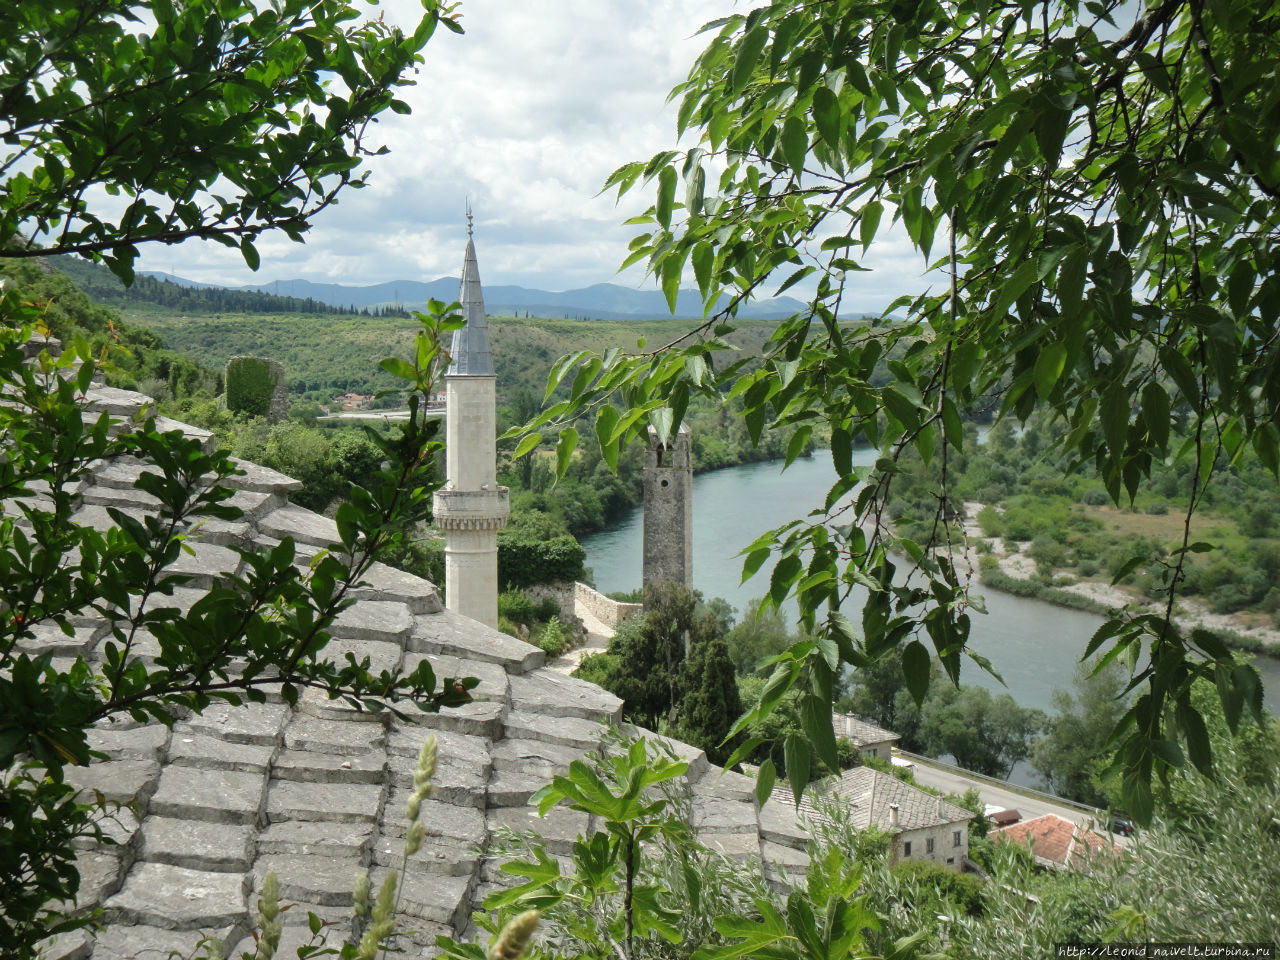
928,845
955,838
906,849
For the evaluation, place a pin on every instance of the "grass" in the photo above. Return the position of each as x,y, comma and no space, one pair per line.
1162,527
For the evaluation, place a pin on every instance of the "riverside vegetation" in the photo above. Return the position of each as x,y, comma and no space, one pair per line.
1065,524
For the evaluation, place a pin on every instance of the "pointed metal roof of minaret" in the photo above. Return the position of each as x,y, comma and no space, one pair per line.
472,355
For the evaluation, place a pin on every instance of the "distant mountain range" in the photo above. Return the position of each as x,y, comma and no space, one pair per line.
603,301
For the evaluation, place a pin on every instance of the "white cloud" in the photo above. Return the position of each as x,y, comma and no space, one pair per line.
526,114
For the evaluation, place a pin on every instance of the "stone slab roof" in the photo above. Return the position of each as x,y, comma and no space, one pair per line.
317,792
860,732
865,795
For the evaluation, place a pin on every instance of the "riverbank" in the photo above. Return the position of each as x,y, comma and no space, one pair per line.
1007,567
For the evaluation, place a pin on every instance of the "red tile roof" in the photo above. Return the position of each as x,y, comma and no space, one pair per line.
1056,840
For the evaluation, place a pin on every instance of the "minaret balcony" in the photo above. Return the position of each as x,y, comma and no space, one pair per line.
472,509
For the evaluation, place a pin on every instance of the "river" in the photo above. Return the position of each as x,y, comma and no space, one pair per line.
1034,645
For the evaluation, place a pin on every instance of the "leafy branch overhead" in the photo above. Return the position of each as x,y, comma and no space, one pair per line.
1093,184
135,121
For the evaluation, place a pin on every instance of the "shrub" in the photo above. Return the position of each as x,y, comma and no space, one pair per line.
932,880
547,608
597,668
991,522
516,606
250,383
627,596
552,638
522,563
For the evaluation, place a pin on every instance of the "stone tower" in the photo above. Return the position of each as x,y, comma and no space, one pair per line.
471,508
668,509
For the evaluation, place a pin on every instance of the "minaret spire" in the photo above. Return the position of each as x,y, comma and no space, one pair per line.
471,508
471,353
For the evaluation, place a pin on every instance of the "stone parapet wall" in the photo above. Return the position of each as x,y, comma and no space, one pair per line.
609,612
561,592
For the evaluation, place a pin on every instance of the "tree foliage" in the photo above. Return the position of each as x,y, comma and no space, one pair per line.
135,121
1098,181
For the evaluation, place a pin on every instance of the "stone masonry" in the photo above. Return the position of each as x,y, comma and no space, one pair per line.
317,792
668,509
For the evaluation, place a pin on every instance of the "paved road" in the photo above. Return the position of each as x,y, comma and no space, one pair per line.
953,780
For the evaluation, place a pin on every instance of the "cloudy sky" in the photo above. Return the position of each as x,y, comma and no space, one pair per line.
526,114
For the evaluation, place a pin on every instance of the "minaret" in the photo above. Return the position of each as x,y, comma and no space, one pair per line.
471,508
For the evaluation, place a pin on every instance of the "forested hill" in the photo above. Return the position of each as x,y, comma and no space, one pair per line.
177,298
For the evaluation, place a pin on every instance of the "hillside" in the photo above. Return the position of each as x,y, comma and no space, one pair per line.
326,355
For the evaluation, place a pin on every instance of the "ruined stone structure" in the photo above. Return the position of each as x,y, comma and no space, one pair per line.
668,509
471,508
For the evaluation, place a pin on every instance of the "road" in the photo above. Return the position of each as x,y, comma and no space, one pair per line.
954,780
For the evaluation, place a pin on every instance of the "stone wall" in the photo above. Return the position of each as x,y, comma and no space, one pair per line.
945,853
561,592
609,612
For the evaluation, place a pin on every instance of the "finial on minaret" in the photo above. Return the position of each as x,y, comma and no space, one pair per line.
469,230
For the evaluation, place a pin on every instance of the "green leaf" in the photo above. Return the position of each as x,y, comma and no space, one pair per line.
795,143
666,196
826,115
250,253
1115,417
661,420
606,421
703,258
527,443
754,559
869,222
747,55
1130,565
1011,289
1049,366
842,450
915,670
766,777
795,754
815,720
564,450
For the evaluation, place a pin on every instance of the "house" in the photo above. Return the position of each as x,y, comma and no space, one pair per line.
871,741
924,826
1056,842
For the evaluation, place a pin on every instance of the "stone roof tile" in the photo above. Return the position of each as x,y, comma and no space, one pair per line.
455,635
553,694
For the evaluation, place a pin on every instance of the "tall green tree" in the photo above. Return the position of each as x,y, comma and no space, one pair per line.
984,733
710,703
1097,184
211,119
1071,755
